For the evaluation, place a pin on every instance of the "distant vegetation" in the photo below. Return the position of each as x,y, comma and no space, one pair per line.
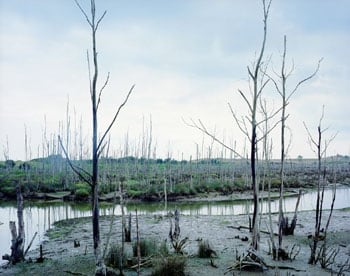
150,179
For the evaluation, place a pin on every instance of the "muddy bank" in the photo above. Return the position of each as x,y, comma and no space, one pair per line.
64,259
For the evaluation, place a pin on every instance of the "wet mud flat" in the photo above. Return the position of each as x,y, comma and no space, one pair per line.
62,258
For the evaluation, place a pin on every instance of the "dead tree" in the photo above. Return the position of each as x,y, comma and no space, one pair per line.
266,155
320,148
177,243
258,83
98,145
17,238
281,87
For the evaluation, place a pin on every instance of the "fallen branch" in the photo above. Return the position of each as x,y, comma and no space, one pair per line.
74,273
146,262
286,267
246,227
30,244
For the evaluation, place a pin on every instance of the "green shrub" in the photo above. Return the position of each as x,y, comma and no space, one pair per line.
182,188
163,249
147,248
81,193
275,182
134,193
113,258
169,266
82,190
9,191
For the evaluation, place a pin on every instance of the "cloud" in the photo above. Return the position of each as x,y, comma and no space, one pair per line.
187,59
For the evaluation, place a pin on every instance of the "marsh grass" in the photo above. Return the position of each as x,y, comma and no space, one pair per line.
147,248
169,266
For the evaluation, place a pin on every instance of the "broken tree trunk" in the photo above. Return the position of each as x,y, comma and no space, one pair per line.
127,230
286,228
17,238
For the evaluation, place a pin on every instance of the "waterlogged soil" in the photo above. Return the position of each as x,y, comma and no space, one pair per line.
62,258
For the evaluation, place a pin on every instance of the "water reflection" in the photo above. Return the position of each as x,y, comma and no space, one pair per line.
39,216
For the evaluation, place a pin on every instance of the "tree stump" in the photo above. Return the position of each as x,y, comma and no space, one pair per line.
127,230
17,239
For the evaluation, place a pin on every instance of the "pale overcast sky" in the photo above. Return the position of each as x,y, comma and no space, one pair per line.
187,59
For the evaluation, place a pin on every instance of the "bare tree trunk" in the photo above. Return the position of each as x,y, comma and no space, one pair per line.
165,195
123,226
17,238
97,145
127,230
320,151
138,244
281,87
256,77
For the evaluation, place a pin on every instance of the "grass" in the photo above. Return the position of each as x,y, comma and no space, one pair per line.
169,266
63,228
81,265
147,248
113,258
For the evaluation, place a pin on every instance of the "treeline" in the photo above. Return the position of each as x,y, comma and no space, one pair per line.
151,179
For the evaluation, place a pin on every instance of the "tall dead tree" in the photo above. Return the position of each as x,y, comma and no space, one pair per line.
320,148
258,83
98,145
281,87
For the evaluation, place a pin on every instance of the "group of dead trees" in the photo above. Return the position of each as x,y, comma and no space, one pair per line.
251,126
257,130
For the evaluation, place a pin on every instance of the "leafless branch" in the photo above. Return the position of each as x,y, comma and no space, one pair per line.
268,131
98,21
115,117
309,135
274,83
84,13
304,80
101,90
327,142
76,169
250,72
262,87
270,117
246,100
200,126
101,149
239,123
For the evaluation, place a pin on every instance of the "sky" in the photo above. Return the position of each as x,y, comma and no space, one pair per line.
187,59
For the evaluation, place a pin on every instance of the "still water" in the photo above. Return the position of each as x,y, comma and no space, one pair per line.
39,216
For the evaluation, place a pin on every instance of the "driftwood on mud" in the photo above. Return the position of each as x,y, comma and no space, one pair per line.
30,244
248,228
252,261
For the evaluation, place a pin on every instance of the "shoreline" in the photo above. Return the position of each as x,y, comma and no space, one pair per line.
210,196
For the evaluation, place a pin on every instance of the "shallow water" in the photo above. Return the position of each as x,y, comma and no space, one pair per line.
39,216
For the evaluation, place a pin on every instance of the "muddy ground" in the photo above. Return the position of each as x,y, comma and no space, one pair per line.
62,258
